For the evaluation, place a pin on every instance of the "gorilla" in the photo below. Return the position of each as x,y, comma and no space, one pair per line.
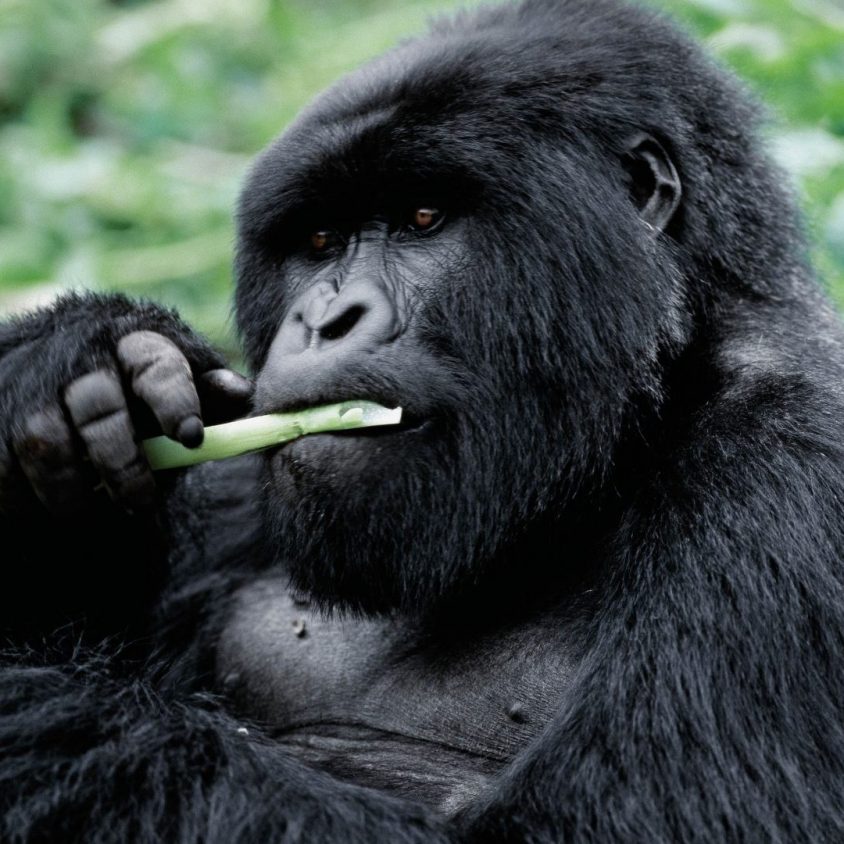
590,590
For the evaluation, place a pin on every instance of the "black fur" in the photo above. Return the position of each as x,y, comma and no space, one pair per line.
638,436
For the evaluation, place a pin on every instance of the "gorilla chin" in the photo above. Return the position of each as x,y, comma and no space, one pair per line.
342,507
325,465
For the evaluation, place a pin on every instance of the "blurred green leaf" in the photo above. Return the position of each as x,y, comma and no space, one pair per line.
126,127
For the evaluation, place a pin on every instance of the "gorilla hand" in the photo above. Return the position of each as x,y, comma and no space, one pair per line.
81,398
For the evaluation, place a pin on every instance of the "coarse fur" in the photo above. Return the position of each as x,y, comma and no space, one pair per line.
633,461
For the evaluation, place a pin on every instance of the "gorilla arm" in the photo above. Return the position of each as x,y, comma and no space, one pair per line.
707,709
100,747
77,380
97,757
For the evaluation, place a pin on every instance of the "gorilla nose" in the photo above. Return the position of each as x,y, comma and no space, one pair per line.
334,323
320,334
361,317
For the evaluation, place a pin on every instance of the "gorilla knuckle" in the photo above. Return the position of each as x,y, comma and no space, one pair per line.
44,437
143,352
108,431
127,471
143,346
93,396
160,373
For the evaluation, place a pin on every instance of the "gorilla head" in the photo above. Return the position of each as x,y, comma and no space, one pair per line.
512,227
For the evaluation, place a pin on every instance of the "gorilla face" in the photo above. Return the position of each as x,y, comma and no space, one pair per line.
428,235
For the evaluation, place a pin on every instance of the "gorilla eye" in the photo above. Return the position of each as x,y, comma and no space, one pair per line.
323,240
426,219
319,240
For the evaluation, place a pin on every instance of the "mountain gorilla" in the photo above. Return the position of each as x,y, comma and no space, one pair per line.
590,590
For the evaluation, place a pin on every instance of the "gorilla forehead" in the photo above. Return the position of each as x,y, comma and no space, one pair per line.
460,101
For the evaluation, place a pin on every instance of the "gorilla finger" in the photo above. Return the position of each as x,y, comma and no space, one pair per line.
99,412
161,376
225,395
51,462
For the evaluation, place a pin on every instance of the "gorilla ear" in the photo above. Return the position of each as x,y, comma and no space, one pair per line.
653,180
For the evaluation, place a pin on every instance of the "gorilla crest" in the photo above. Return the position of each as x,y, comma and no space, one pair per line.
590,589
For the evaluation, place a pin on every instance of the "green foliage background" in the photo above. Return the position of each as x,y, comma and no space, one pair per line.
126,127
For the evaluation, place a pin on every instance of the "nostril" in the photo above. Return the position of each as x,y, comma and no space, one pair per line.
343,324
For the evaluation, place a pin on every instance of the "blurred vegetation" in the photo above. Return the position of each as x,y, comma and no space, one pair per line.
126,127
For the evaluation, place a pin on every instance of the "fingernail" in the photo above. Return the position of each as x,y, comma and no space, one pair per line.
190,432
241,383
230,381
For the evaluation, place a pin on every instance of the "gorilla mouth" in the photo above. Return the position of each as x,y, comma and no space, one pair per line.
328,463
352,449
408,425
424,390
414,419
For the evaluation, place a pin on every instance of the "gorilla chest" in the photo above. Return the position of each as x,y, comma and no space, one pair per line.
431,715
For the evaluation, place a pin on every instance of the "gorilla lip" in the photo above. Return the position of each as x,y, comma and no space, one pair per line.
408,425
